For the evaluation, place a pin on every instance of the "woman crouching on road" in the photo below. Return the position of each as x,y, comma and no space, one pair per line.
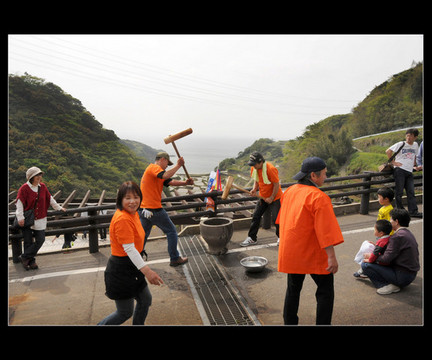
126,272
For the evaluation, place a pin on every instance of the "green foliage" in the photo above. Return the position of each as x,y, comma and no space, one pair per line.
140,149
365,161
270,149
227,163
396,103
52,130
267,147
327,139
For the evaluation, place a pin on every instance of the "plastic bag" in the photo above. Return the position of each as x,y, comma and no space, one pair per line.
366,247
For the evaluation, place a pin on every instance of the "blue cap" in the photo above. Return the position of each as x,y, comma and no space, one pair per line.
310,164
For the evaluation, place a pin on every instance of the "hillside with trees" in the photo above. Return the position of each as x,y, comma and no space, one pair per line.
55,132
396,103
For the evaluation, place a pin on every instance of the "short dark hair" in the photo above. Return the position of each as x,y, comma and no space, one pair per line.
401,215
309,175
386,192
413,131
307,179
128,186
384,225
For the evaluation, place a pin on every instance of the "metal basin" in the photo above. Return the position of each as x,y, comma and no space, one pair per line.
254,263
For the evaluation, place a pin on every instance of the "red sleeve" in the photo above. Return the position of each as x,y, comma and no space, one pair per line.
372,258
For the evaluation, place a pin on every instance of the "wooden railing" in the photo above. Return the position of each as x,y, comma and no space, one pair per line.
188,209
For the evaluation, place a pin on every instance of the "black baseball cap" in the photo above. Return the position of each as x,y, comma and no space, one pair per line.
310,164
255,158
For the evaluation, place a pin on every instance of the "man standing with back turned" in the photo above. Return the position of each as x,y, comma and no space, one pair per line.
308,231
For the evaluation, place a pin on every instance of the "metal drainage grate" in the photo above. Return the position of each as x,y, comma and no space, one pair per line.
221,305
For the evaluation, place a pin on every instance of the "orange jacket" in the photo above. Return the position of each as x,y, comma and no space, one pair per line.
125,228
307,225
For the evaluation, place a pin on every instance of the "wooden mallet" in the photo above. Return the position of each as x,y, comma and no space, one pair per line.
230,184
172,138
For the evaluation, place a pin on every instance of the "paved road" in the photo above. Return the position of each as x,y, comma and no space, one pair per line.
68,289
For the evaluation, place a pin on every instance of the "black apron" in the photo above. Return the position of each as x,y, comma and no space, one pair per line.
122,279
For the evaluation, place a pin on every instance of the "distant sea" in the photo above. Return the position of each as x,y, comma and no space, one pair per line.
202,155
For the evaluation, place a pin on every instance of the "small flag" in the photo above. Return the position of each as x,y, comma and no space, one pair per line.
214,183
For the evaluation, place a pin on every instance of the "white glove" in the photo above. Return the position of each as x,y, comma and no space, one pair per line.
147,213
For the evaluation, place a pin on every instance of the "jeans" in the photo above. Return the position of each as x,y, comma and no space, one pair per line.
324,297
260,208
381,275
31,248
404,179
161,219
125,309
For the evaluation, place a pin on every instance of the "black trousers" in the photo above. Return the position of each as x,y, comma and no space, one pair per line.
259,211
405,179
324,297
32,247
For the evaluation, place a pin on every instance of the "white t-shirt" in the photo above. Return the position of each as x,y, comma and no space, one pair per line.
406,156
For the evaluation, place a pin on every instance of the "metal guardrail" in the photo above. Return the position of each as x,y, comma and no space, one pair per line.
194,205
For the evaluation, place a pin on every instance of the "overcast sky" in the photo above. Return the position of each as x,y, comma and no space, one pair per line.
146,87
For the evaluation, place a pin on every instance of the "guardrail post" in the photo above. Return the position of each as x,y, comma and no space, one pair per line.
93,233
364,204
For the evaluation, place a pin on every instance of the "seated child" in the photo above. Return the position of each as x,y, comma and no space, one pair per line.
369,251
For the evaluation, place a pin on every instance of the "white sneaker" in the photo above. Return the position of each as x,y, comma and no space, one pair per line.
388,289
248,242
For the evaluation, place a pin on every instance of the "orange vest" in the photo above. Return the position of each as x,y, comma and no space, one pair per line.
125,228
265,190
151,187
307,225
